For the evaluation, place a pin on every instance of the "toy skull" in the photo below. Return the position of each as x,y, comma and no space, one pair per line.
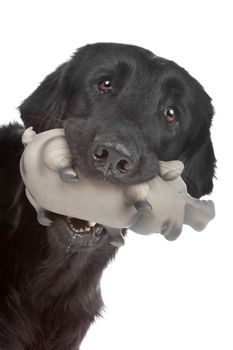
161,205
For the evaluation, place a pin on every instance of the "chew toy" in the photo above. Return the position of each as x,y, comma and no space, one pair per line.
161,205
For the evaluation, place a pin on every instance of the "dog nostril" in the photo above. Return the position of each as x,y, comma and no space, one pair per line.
123,166
112,159
101,154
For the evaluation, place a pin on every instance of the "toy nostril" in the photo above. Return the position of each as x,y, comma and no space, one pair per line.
100,154
123,166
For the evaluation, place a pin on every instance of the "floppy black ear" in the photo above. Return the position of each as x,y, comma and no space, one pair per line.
198,155
198,171
43,109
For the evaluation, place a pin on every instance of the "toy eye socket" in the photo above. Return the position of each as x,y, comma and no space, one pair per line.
105,85
170,115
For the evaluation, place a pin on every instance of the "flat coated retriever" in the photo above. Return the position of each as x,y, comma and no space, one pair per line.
122,108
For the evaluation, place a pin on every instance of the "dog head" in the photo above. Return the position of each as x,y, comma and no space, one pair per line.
123,109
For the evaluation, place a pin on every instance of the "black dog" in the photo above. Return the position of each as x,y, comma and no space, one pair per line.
122,108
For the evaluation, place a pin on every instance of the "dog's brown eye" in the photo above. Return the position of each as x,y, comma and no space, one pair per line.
105,85
170,115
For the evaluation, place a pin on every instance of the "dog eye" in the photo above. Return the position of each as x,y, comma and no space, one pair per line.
170,115
105,85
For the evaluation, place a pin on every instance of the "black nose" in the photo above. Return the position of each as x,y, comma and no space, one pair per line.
112,159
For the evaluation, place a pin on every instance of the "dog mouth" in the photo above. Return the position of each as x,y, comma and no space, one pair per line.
74,233
84,233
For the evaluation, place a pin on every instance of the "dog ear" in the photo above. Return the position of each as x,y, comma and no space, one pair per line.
199,170
198,156
43,109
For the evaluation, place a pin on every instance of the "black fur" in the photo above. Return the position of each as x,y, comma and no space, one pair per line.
48,297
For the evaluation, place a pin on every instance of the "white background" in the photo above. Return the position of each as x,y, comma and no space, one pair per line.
158,294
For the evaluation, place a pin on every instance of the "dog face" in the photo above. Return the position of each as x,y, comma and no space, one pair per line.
123,108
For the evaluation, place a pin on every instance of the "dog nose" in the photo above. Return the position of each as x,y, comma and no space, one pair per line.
112,159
